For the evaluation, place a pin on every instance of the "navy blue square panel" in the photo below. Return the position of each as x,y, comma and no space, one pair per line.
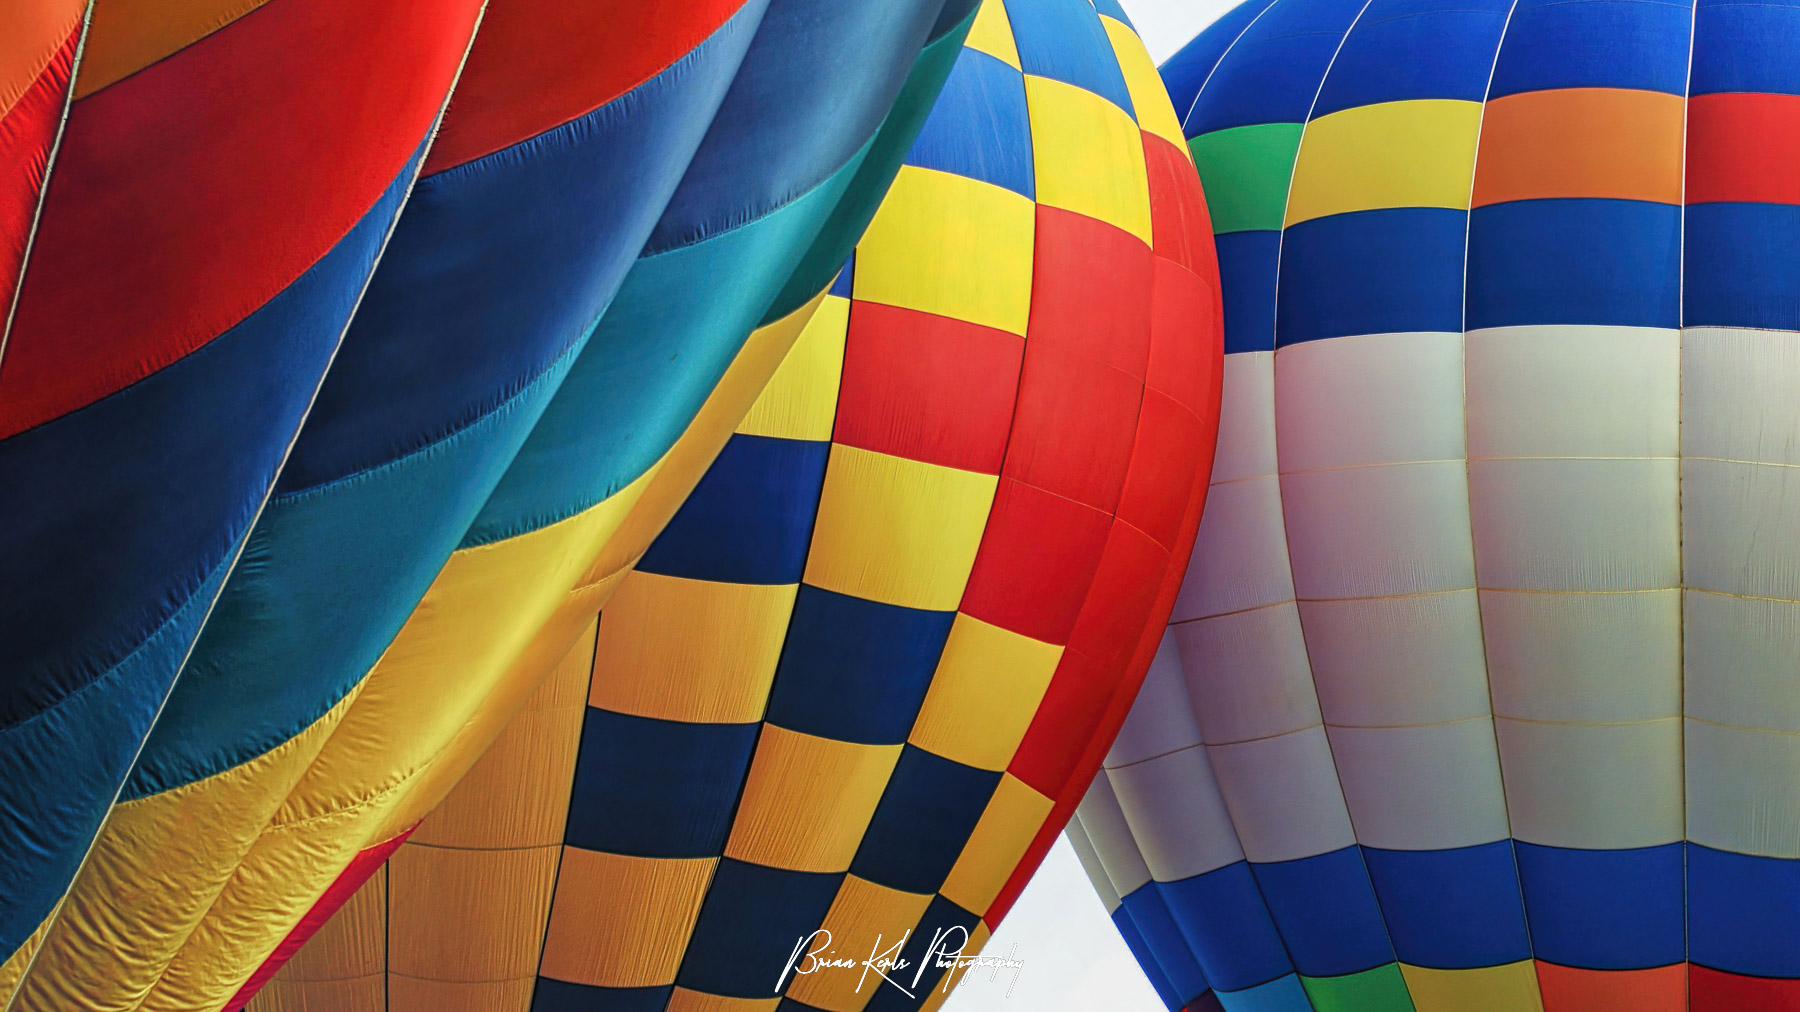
750,518
1742,266
1064,40
945,930
1388,271
750,924
978,127
925,815
1326,912
1575,261
1412,49
1147,961
1226,922
1163,938
1595,44
1248,263
656,788
1604,909
1741,912
1746,47
562,996
855,670
1451,909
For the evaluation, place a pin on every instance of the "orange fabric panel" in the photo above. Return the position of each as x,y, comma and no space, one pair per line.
1567,989
35,30
1581,142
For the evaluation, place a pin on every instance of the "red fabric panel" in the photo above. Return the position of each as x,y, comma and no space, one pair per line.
1180,226
187,195
26,136
1743,147
1186,343
1090,290
541,63
336,895
928,387
1712,990
1037,560
1075,426
1169,440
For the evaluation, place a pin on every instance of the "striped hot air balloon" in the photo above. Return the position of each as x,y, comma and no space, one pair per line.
1480,694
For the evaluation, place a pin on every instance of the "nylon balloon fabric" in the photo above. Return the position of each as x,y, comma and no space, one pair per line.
1478,693
862,678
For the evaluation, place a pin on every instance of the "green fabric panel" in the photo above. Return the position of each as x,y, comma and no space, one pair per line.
1245,171
1379,990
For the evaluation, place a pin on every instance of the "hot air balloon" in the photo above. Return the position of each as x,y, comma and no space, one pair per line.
1479,693
862,678
185,230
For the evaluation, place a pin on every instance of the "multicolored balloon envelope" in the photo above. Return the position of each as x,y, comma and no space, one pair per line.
862,679
1480,692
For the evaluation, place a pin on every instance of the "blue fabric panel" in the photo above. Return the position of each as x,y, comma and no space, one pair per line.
1248,264
750,518
855,670
1742,266
844,283
1065,41
925,815
1387,271
1164,940
1451,909
816,84
979,127
1575,261
1595,44
562,996
656,788
1185,73
1409,49
1284,995
1326,912
153,487
945,929
1147,961
1746,47
1741,912
749,923
1225,921
1272,75
1111,9
1604,909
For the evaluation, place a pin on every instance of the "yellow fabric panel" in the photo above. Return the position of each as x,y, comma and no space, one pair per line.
1088,156
517,793
1417,153
683,1000
1510,987
357,994
35,30
987,687
958,247
808,800
992,33
622,921
150,876
409,994
468,915
897,531
692,650
800,401
125,36
1149,98
864,918
14,967
1012,818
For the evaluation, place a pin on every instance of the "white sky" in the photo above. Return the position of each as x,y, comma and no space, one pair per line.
1074,959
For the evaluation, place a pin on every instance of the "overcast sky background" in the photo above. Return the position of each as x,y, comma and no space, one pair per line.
1074,959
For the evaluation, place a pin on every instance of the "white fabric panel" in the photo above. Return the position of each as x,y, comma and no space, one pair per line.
1176,814
1738,394
1240,556
1090,861
1247,674
1246,417
1370,399
1741,789
1576,524
1369,531
1162,719
1422,788
1738,527
1397,660
1593,786
1111,836
1574,391
1584,657
1283,795
1742,654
